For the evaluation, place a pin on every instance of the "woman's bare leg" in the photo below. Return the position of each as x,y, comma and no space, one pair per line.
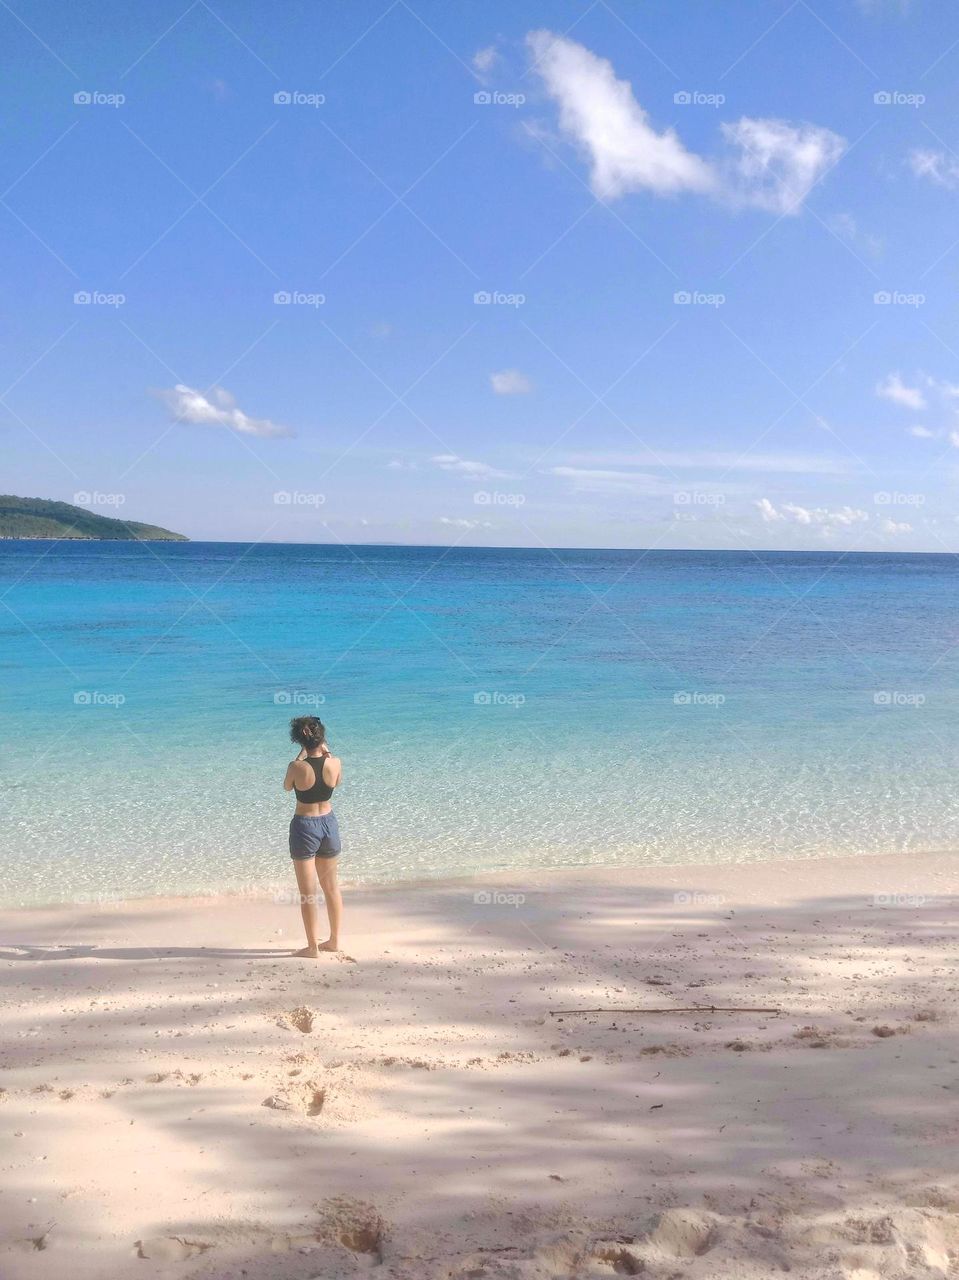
326,873
306,883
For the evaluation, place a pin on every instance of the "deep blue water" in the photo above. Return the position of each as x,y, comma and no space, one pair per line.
494,708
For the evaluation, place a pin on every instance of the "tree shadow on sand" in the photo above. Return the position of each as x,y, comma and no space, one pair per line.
530,1122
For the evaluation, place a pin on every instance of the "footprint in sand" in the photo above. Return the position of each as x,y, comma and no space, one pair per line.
170,1248
308,1098
355,1225
301,1018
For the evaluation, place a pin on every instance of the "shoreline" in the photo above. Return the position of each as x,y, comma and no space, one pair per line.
558,874
175,1087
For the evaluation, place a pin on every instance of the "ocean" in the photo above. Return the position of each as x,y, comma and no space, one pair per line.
495,709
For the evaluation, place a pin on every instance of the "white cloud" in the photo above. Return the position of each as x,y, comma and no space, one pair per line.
895,526
922,433
717,460
401,464
779,163
610,480
845,226
774,167
948,390
893,388
936,166
484,60
464,466
603,118
219,410
821,517
465,524
510,382
595,480
954,439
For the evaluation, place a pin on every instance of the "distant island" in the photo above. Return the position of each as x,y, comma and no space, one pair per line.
42,518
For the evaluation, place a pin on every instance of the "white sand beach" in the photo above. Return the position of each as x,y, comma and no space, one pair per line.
181,1098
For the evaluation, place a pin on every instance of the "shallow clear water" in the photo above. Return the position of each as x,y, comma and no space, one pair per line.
495,709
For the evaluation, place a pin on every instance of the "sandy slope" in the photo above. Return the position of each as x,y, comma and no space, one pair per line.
180,1098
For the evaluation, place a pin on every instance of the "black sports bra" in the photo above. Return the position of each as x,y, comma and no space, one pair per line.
320,790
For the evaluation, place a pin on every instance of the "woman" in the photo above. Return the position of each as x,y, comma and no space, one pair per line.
314,834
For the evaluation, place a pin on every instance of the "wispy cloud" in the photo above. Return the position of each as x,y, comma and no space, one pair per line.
821,517
464,466
779,163
916,395
609,480
935,166
484,60
893,388
718,460
219,409
510,382
462,523
847,228
772,164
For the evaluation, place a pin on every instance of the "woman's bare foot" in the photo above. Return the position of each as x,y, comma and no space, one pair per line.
308,953
329,945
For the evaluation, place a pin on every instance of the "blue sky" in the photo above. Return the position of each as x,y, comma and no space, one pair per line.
719,245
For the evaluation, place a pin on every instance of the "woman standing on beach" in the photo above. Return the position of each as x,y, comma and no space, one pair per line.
314,834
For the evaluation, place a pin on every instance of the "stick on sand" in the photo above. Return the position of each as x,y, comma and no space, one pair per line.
696,1008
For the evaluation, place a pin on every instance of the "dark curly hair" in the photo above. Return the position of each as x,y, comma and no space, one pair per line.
308,731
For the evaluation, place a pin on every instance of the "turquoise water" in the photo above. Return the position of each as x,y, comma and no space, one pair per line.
495,709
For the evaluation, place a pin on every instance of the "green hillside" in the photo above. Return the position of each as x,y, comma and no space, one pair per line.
41,518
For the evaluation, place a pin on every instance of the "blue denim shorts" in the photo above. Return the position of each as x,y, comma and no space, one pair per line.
314,837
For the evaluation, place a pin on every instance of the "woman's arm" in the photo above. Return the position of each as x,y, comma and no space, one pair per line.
290,779
332,770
